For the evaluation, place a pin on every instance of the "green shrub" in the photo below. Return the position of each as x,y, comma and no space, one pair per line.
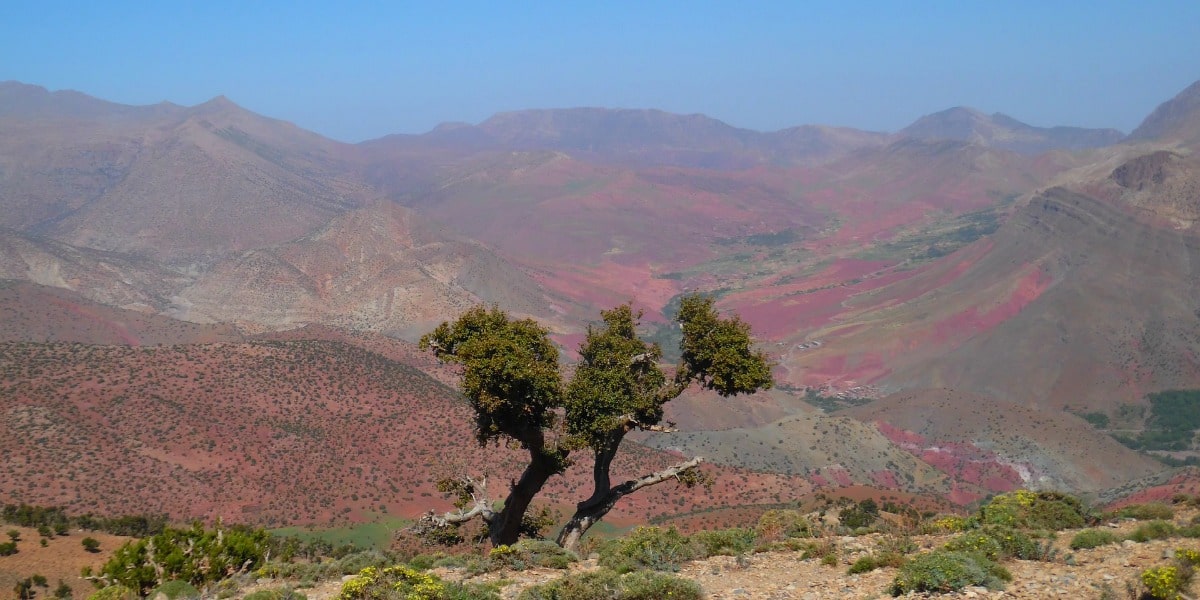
944,524
114,592
647,548
1153,530
1015,544
90,544
607,585
657,586
284,593
943,571
532,553
1035,510
857,516
402,581
8,548
196,555
870,562
593,585
776,525
1147,512
174,590
329,569
976,542
725,542
1092,538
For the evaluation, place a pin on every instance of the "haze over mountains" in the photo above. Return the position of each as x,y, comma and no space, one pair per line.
965,260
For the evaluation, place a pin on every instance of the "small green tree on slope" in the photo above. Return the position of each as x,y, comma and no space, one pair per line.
511,377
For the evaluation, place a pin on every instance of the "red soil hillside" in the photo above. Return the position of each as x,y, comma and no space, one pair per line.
267,432
36,313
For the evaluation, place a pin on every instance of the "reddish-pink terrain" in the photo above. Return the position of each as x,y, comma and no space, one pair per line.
193,298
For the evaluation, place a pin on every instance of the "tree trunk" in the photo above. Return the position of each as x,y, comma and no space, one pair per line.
591,511
505,526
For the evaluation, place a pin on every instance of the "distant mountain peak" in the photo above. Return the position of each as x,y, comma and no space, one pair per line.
1176,119
999,130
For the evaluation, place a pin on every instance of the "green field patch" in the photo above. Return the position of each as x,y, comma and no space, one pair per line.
937,239
376,535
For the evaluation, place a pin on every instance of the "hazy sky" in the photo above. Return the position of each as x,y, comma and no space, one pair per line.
355,71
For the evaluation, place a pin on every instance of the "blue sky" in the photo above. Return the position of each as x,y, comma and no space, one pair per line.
355,71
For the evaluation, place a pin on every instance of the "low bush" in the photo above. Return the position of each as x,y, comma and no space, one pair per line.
607,585
8,548
174,590
114,592
976,542
284,593
944,524
1053,511
532,553
725,542
402,581
1092,538
329,569
1147,512
870,562
944,571
196,555
647,548
781,524
1153,530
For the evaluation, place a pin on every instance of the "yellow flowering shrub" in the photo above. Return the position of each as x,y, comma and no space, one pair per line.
404,583
1163,583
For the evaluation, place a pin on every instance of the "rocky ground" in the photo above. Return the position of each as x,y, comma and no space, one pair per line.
1093,573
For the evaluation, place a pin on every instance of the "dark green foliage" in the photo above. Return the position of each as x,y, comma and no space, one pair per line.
647,548
1098,420
63,591
510,370
717,352
90,544
196,555
863,514
607,585
511,378
1154,530
944,571
1092,538
8,548
56,520
14,535
1174,419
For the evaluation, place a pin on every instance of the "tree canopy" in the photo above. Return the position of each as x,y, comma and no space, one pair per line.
512,379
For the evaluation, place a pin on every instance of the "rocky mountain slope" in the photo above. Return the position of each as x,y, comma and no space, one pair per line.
1002,131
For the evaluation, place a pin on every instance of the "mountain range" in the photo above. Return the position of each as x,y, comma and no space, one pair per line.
967,260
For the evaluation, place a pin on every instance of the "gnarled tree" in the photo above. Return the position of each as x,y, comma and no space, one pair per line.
511,378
